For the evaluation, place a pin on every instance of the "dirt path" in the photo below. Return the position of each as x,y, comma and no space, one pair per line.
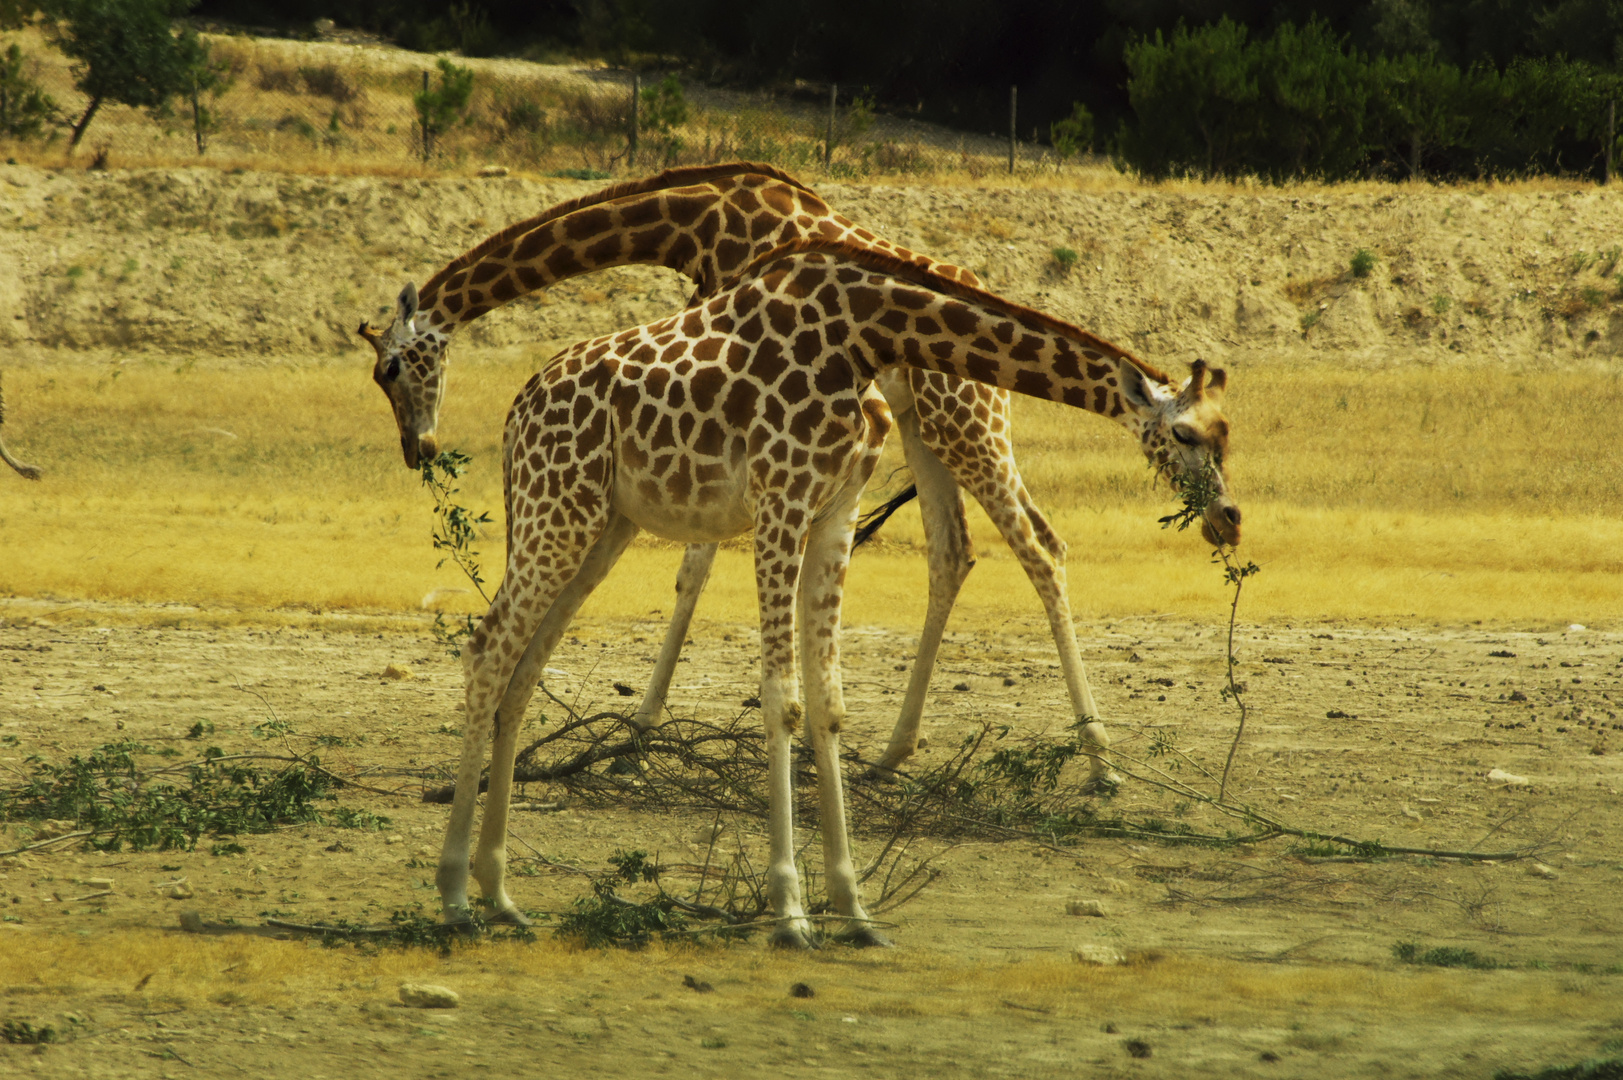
982,982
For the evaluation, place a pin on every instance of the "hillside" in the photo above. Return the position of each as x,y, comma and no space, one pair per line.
263,266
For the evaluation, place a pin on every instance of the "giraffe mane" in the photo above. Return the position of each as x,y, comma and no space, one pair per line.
920,274
670,178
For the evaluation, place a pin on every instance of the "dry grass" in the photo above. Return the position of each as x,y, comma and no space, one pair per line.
1434,494
193,972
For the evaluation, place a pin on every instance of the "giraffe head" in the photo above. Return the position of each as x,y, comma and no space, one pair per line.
1185,437
410,369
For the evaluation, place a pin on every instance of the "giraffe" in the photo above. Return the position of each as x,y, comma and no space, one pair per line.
25,470
708,223
754,411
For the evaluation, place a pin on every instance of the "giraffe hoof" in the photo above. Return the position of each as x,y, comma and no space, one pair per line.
1108,784
791,937
865,937
509,917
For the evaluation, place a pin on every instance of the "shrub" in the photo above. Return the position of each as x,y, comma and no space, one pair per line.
1363,261
1074,134
25,109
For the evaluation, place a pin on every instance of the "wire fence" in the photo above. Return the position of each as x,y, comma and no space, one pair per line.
297,104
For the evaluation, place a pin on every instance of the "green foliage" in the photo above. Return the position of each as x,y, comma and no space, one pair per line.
25,110
22,1033
1073,135
439,108
604,919
1363,261
455,526
119,797
1411,952
123,51
1303,102
1064,258
663,109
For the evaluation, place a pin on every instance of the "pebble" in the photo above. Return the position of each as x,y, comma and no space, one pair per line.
428,996
1538,869
1101,955
191,921
1085,907
1500,776
176,890
397,672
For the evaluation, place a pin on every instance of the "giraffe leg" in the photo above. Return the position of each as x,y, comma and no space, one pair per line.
690,582
951,557
490,858
822,585
489,662
1041,554
777,573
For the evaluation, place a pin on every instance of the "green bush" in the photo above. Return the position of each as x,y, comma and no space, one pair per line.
1073,135
25,109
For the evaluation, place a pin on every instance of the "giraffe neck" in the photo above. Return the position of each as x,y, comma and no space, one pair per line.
704,232
890,311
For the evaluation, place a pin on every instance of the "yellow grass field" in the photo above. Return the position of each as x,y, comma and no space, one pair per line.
1437,494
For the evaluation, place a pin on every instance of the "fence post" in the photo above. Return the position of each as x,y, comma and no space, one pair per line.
1012,91
423,112
828,143
636,99
1611,137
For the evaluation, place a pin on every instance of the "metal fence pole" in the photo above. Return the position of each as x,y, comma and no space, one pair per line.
828,143
1012,91
636,98
424,113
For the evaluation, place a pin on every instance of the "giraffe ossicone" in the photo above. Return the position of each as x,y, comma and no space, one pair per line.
708,223
755,411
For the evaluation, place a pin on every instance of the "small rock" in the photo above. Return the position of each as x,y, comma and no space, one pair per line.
396,672
191,921
98,882
1100,955
1517,695
802,990
493,170
1137,1048
1268,1056
1007,681
1500,776
395,839
176,890
961,686
1577,628
1337,714
338,845
695,985
428,996
1085,907
1538,869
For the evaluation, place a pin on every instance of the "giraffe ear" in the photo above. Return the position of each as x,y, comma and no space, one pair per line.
1133,387
1217,381
406,305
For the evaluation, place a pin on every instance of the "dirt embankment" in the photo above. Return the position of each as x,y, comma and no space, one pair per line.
263,265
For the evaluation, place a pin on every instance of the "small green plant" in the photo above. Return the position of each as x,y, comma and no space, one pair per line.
1073,135
1592,297
22,1033
200,729
605,919
1363,261
1441,303
1310,319
1064,258
1581,260
1449,956
663,109
1609,260
442,107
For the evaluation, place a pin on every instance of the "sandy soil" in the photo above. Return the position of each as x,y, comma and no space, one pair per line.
1428,715
111,264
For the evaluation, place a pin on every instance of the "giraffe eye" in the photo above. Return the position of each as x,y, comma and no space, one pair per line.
1183,436
392,372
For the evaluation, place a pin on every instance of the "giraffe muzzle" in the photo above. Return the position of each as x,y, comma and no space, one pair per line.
418,448
1222,522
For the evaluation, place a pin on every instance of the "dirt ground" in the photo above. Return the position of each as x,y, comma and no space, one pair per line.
1372,732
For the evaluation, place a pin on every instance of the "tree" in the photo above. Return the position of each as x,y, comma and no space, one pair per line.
123,51
1074,134
438,109
24,108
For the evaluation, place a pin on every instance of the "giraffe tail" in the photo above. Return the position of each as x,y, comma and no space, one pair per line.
874,520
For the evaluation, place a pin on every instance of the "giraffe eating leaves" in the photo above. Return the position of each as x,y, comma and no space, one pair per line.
755,412
708,223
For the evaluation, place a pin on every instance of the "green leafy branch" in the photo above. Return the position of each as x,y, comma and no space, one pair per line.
455,530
